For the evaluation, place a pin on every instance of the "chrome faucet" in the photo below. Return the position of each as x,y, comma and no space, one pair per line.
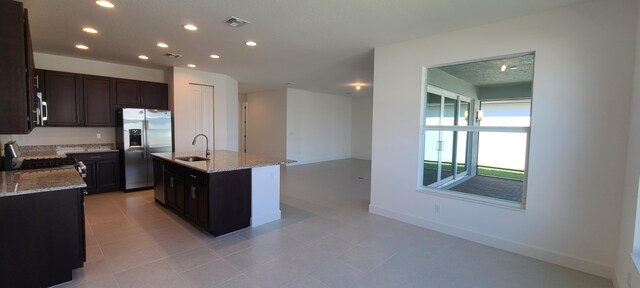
207,151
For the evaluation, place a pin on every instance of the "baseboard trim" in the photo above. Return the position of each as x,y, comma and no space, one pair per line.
500,243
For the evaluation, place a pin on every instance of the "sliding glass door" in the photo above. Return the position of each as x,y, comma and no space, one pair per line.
447,152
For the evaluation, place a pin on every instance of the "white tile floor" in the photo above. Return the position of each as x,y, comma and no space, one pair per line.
326,238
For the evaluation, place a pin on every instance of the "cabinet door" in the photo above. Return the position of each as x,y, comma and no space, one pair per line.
169,189
98,95
127,93
191,210
202,218
154,95
107,178
13,94
180,195
64,99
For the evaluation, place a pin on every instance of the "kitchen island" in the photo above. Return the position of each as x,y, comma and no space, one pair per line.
42,224
225,193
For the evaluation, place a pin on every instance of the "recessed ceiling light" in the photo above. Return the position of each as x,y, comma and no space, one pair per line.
89,30
190,27
162,45
81,46
105,4
357,87
214,56
513,67
192,65
251,43
503,68
143,57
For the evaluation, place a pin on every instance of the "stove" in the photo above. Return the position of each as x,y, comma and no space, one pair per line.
14,161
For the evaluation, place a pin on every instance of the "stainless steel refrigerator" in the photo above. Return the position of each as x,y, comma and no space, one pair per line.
140,132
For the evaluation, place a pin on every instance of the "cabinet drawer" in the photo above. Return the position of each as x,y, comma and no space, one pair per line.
197,176
173,168
95,156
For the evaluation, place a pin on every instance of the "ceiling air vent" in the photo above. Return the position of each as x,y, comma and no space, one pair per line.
173,55
236,22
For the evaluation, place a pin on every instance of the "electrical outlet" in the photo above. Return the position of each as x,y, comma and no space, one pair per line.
98,135
436,208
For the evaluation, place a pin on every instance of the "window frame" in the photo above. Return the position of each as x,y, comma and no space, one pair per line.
519,206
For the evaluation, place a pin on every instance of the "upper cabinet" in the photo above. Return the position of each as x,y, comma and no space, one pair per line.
140,94
16,70
154,95
87,100
63,94
98,100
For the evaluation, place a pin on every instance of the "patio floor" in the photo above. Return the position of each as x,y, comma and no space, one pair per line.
499,188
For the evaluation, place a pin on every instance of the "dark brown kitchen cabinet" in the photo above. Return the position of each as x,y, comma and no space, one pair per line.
127,93
197,208
17,111
63,94
174,188
154,95
218,202
103,174
44,240
98,93
141,94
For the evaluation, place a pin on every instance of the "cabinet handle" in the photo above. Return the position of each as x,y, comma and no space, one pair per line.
171,182
37,77
194,193
193,176
95,157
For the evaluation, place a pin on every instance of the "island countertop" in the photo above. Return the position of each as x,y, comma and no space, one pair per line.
222,160
19,182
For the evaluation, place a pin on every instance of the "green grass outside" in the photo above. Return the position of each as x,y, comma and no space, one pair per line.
497,172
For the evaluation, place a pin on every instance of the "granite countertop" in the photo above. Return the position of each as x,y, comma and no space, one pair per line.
222,160
20,182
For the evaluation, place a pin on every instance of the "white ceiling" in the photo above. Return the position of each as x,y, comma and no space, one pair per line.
320,45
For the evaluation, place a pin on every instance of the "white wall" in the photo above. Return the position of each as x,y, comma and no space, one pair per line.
80,135
225,107
318,126
267,123
583,80
361,115
629,223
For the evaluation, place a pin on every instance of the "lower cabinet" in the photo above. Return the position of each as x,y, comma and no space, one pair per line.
103,171
219,202
44,240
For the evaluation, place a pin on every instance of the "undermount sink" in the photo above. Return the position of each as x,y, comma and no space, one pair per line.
192,158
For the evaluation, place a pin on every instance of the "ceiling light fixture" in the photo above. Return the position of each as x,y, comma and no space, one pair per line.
81,46
191,65
162,45
143,57
357,87
89,30
190,27
105,4
503,68
513,67
214,56
251,43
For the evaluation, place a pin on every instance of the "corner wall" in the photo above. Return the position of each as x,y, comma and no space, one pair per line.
225,98
625,269
580,116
